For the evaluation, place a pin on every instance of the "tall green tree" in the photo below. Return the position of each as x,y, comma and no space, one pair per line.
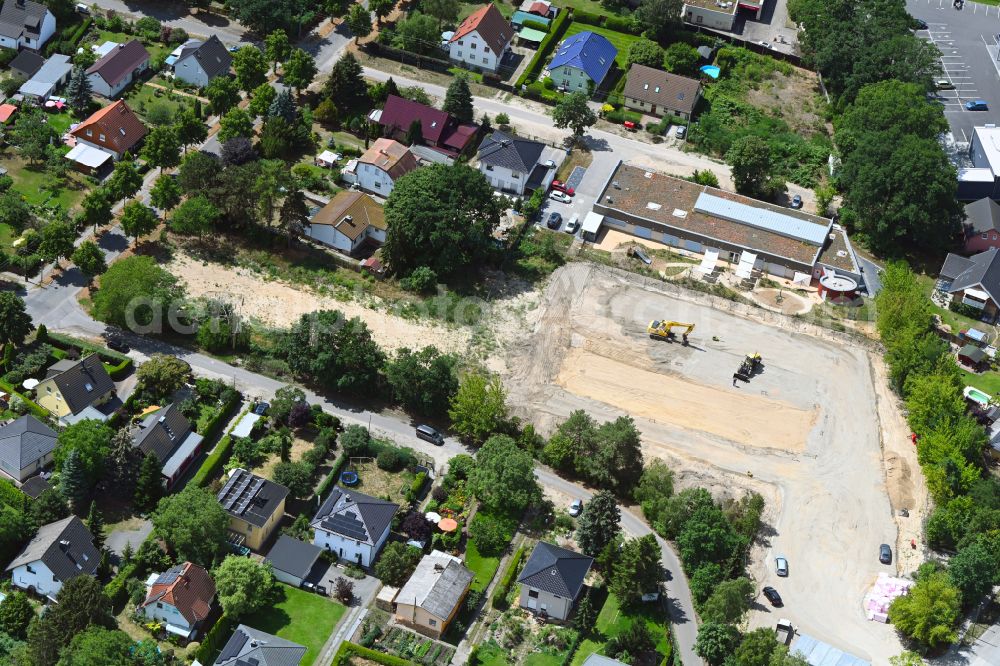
16,613
32,135
149,483
359,21
659,17
80,603
190,128
49,507
599,523
337,352
645,52
165,193
504,477
716,641
89,258
193,524
138,219
423,381
133,280
95,523
729,602
251,68
96,207
16,527
78,91
573,111
479,407
277,47
243,585
125,180
223,94
930,611
97,646
458,100
261,99
236,123
346,86
15,322
91,441
750,159
57,238
194,217
162,147
637,570
299,70
294,214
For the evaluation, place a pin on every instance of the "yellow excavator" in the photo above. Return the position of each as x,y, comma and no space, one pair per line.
661,329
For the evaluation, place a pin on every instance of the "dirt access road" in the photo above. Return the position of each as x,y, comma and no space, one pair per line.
806,428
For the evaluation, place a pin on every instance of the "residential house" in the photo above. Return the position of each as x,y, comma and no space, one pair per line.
35,486
25,24
432,596
25,64
292,561
115,71
76,390
115,130
582,61
180,598
58,552
348,222
26,446
49,77
482,40
353,525
551,580
385,162
973,281
168,435
982,225
716,14
657,93
199,62
441,131
255,507
513,164
251,647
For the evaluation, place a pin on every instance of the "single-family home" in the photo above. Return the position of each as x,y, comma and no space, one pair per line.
26,446
255,507
440,130
25,64
25,24
513,164
352,525
76,390
981,226
49,77
252,647
181,598
348,222
973,281
35,486
58,552
657,93
551,580
482,40
168,435
292,561
106,135
385,162
582,61
115,71
199,62
432,596
536,7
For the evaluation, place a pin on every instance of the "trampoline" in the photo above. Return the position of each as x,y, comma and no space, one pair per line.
349,478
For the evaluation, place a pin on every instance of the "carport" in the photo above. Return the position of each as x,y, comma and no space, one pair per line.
292,560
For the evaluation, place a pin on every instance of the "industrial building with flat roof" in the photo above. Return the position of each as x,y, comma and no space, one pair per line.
982,180
696,218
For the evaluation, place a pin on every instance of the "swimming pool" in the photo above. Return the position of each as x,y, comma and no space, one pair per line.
711,70
975,395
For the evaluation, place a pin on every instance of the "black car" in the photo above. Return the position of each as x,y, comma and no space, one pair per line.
919,24
555,221
885,554
118,344
773,596
429,434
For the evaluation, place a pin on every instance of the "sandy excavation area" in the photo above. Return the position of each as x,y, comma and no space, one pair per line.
807,429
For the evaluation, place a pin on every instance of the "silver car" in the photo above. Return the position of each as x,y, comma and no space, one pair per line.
781,566
576,508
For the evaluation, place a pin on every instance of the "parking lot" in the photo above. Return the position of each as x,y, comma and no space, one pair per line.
966,39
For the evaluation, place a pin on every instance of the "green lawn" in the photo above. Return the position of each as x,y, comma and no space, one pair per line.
612,621
60,122
304,618
7,235
141,98
33,183
155,48
590,6
620,40
491,654
467,8
484,567
542,659
956,321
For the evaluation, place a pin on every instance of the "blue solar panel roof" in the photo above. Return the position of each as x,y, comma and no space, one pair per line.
588,51
762,218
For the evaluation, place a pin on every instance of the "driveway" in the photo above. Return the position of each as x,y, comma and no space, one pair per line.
116,540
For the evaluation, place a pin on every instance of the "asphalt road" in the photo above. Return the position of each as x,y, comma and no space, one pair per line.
963,36
177,15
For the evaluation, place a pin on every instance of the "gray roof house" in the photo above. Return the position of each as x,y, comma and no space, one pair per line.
115,70
511,163
251,647
59,551
353,525
53,74
292,560
26,63
73,390
973,281
433,594
552,579
25,24
199,62
26,446
168,435
982,215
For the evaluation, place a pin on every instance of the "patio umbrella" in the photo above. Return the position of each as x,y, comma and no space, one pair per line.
448,525
433,517
59,105
49,104
30,383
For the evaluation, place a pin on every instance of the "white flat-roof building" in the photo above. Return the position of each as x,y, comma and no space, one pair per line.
983,178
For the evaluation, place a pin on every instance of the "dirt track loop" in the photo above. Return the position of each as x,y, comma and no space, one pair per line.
806,427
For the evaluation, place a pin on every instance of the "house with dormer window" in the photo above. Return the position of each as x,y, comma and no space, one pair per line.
59,552
76,390
352,525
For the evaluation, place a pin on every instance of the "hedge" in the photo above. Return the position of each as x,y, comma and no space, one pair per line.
416,486
212,429
587,18
214,639
573,647
347,649
38,411
11,496
116,589
59,340
534,68
332,477
217,458
503,587
622,24
536,25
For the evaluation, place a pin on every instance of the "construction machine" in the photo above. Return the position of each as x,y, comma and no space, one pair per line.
747,368
660,329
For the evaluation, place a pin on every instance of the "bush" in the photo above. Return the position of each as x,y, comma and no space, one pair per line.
491,534
965,310
214,639
557,30
415,490
12,497
117,589
422,280
214,462
623,24
394,459
536,25
587,18
503,587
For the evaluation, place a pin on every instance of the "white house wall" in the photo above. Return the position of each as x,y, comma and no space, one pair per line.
374,179
40,577
349,549
473,51
168,614
709,18
503,178
327,235
190,70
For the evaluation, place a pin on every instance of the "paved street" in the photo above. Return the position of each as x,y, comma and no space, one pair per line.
176,15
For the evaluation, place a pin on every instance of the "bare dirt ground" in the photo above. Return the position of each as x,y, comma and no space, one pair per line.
806,428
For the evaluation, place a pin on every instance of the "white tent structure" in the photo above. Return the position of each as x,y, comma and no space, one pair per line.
708,262
746,266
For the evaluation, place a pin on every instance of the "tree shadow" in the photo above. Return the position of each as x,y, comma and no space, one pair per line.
113,242
71,277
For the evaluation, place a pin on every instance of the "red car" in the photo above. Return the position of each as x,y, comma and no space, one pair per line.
560,186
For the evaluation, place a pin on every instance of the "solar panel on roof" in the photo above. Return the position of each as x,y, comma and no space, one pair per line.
233,647
761,218
347,525
247,496
168,577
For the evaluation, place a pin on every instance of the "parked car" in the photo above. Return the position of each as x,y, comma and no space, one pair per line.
576,508
796,202
560,186
321,589
82,8
885,554
550,164
573,225
944,84
561,197
261,408
234,48
766,45
307,586
681,132
781,566
429,434
919,24
772,595
554,221
977,105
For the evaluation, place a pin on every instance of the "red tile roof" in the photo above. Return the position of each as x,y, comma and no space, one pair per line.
118,123
437,127
491,26
6,111
190,590
391,156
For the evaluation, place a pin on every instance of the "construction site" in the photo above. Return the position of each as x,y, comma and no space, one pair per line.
736,398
